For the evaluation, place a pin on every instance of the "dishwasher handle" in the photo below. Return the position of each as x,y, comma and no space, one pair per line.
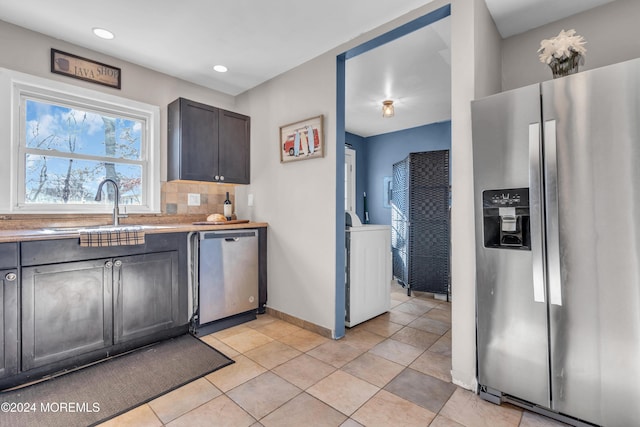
229,236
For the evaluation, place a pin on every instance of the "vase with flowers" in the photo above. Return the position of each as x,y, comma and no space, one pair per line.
563,53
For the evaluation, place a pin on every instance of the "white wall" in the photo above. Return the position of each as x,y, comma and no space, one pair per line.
488,50
611,31
475,47
297,199
29,52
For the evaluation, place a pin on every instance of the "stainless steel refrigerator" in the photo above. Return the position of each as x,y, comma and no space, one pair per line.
557,207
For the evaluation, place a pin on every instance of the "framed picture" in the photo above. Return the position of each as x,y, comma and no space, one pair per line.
302,140
85,69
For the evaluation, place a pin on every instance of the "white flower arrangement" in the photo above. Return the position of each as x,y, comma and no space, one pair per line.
565,45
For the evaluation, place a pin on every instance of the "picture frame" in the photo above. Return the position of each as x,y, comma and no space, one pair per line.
85,69
294,140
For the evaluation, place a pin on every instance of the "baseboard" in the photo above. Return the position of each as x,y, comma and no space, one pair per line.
464,380
218,325
300,323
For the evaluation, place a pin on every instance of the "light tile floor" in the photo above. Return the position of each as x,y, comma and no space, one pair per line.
393,370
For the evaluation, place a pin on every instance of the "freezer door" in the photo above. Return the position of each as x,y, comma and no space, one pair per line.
592,172
512,334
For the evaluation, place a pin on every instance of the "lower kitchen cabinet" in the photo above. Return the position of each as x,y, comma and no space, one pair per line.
75,305
145,295
8,322
66,311
73,308
9,326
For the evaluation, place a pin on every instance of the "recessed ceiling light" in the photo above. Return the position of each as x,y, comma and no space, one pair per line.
220,68
103,34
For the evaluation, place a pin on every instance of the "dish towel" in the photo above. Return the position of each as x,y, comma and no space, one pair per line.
120,237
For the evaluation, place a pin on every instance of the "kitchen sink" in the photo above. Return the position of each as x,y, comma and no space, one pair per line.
79,229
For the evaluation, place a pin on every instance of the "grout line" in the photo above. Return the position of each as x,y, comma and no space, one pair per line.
256,326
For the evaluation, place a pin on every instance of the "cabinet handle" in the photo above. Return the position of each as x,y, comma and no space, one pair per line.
108,264
554,272
118,263
217,177
221,178
10,277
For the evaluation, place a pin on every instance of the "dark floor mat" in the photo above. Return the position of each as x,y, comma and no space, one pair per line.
104,390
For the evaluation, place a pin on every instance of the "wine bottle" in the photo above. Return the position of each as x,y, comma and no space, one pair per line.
228,208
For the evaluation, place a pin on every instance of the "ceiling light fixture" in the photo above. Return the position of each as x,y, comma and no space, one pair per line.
103,34
220,68
387,108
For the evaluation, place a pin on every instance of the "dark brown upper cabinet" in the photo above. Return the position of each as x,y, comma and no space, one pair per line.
206,143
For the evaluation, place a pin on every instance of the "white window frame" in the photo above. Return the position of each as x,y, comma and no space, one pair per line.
15,87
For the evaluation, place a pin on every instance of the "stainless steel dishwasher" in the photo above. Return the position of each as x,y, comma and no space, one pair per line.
227,266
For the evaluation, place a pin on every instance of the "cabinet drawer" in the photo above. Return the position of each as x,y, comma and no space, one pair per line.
42,252
8,255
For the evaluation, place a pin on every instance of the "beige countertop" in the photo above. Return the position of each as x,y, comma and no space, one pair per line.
46,233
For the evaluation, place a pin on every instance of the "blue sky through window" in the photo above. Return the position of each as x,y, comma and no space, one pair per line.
71,135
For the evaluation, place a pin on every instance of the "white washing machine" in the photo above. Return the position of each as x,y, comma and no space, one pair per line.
368,270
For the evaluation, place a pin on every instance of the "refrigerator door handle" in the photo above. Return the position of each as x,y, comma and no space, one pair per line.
551,201
535,207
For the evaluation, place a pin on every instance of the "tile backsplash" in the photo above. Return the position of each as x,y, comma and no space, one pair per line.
175,195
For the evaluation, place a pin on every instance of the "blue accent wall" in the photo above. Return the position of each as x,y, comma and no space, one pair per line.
376,155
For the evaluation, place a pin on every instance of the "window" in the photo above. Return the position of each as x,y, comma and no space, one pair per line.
67,139
67,152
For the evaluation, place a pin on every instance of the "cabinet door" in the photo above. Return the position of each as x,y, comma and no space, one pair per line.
8,323
66,311
145,294
234,147
192,141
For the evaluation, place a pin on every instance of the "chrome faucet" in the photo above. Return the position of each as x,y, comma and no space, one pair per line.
116,210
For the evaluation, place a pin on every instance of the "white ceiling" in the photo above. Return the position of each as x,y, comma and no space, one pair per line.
517,16
255,39
414,71
260,39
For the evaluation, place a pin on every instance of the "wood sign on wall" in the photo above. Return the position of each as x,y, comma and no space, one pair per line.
84,69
